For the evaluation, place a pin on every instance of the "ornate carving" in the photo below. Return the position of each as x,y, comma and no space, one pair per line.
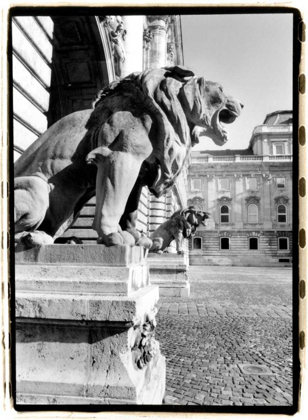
268,177
147,36
106,20
170,50
252,199
146,346
225,199
225,234
282,199
254,233
117,37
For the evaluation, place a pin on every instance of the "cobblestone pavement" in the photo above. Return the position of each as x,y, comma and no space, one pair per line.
234,316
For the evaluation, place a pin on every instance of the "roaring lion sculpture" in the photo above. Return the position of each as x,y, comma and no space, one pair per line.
181,225
139,133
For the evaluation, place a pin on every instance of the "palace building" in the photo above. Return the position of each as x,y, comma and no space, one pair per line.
249,196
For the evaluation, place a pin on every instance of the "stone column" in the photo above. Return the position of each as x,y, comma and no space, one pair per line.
133,44
158,28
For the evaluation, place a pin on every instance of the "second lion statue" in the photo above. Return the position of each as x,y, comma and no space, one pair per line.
139,133
181,225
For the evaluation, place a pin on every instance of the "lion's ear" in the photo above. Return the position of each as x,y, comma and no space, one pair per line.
183,74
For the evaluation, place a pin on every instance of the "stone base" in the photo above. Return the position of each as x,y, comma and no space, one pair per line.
82,329
170,273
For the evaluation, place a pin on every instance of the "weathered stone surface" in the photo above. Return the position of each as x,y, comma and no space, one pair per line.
120,255
81,329
170,273
93,362
81,278
53,178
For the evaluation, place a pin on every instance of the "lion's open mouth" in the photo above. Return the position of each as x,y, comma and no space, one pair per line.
225,115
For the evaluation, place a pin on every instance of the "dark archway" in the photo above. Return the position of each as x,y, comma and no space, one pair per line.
80,67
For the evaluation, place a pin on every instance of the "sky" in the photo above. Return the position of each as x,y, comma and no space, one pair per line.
250,55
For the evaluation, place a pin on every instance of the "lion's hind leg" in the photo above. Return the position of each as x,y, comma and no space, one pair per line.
31,201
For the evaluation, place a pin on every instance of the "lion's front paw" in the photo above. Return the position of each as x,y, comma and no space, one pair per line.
145,242
111,239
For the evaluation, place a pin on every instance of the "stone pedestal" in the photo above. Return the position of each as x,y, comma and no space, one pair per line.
85,324
170,273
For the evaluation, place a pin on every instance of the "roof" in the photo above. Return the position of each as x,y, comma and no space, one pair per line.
278,118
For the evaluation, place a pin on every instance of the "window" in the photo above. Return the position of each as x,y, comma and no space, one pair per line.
223,184
281,182
283,243
196,184
281,213
197,243
278,149
224,243
252,183
224,214
252,213
253,243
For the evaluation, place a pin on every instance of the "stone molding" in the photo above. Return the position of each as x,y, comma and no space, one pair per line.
284,233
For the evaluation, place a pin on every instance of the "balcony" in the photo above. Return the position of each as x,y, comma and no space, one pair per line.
239,158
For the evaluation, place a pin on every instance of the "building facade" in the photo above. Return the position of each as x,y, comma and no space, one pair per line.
60,63
249,196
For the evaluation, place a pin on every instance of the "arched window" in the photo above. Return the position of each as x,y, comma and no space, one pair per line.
252,213
224,214
281,213
197,243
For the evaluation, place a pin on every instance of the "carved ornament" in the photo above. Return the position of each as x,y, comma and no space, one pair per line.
224,199
225,234
252,199
254,234
170,50
145,346
284,233
282,199
147,36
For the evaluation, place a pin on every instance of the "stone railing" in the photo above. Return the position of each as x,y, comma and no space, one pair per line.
273,129
239,158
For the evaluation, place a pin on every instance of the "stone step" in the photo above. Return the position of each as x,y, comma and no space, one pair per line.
115,256
81,279
80,233
83,222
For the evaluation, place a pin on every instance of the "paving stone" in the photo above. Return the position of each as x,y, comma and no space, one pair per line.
206,336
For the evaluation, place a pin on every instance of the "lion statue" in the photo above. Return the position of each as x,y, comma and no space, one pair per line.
139,133
181,225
